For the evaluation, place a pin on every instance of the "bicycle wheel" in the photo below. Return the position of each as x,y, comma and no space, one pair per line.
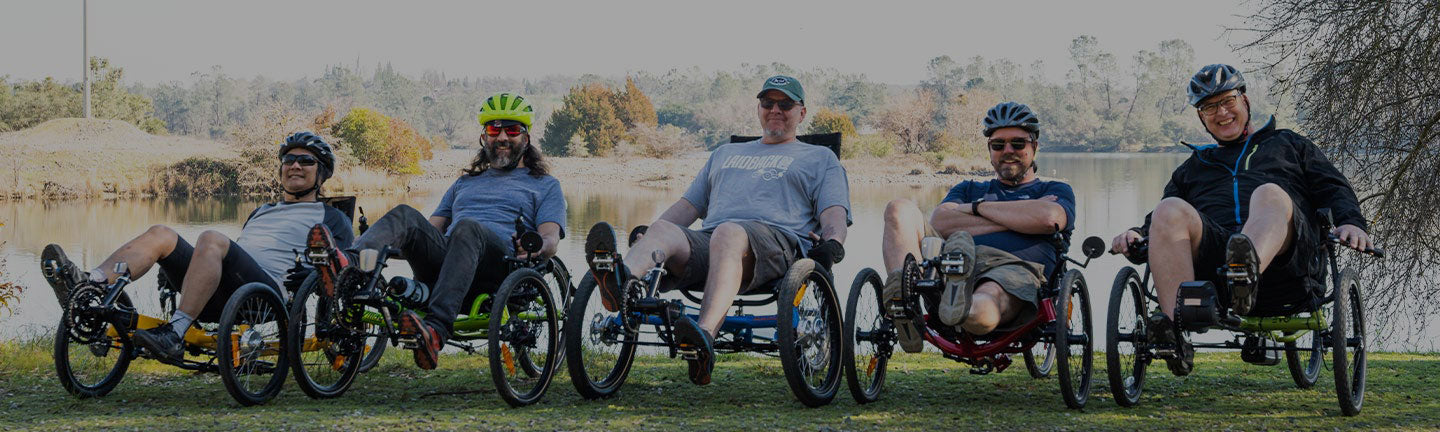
869,338
250,344
1126,343
1304,357
89,361
809,333
1074,339
1040,359
1347,339
524,329
324,352
598,345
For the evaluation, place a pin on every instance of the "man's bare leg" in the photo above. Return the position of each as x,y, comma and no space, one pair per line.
203,276
904,228
731,266
665,237
1269,227
990,305
1175,230
141,253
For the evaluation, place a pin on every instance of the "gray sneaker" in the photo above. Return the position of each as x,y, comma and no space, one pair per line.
955,300
62,274
907,329
1243,273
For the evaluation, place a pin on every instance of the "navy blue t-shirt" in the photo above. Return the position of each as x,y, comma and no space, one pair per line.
1035,248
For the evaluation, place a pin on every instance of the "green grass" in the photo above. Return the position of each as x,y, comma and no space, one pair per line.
924,392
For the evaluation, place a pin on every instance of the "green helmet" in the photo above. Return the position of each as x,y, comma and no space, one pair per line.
506,106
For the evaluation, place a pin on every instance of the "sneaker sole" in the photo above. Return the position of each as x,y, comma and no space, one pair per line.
54,276
411,325
688,337
601,241
319,242
1239,253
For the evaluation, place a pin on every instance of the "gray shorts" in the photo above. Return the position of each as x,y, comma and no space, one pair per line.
774,253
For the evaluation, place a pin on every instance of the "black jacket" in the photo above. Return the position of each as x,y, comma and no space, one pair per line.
1218,180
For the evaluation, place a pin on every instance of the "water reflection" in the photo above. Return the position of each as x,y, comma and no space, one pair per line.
1113,192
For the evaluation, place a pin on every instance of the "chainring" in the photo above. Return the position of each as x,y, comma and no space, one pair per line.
82,316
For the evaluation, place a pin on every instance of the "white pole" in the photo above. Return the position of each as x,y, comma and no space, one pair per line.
85,44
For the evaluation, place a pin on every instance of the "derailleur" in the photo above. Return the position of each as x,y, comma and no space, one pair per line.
986,365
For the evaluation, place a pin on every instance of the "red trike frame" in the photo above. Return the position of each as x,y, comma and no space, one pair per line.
967,348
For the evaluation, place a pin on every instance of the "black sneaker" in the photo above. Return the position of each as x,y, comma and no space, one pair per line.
1242,267
695,345
162,342
1166,336
605,266
62,274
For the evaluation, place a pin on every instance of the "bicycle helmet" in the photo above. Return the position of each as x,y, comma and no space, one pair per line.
507,106
1011,114
1212,80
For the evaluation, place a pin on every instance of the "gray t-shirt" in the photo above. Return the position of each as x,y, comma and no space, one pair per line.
273,233
495,197
784,185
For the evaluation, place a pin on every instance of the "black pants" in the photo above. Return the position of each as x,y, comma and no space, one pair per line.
458,268
236,269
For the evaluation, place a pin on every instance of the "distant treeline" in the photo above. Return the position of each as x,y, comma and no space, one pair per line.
1104,103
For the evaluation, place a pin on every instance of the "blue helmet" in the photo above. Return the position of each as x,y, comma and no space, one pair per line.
315,145
1011,114
1212,80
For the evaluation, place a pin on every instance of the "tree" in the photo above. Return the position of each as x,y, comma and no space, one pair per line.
588,112
827,120
1366,75
382,142
908,118
633,107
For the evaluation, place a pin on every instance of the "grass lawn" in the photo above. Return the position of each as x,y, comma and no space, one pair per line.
923,392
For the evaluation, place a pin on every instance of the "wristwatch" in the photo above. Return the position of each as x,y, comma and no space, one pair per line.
975,206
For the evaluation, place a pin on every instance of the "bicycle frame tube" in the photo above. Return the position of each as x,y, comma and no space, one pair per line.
966,346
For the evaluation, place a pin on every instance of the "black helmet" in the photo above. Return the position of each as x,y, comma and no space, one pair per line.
1212,80
314,144
1011,114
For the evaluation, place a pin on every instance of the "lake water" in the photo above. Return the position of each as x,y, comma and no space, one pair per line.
1113,192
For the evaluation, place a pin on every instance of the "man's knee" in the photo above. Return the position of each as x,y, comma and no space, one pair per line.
1272,194
1173,213
404,212
212,242
899,210
467,228
161,233
728,235
984,314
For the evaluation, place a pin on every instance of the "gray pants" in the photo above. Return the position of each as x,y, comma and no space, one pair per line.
458,268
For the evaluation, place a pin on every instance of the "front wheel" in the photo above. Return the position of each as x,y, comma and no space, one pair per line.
1126,343
1347,340
1074,340
524,338
599,344
809,333
324,351
93,365
1304,357
869,338
251,342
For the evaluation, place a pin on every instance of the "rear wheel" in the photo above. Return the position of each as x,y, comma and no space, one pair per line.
1347,339
1126,338
324,352
598,345
1074,339
809,333
524,338
869,338
251,343
91,355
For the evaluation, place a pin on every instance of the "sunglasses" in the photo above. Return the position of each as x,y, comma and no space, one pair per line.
785,104
511,130
302,159
1016,144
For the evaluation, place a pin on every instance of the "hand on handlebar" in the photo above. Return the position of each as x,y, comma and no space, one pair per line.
1122,243
1353,237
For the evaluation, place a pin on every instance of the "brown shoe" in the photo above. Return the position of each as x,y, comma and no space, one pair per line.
427,340
608,273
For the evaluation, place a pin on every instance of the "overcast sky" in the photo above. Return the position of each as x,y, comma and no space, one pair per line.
890,41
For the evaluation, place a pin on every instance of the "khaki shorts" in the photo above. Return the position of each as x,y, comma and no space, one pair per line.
774,253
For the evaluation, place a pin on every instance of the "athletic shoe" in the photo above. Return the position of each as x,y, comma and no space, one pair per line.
162,342
62,274
1240,257
907,329
427,340
696,346
955,301
1165,334
609,276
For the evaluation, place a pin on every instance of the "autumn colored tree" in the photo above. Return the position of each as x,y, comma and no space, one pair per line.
633,107
379,141
588,113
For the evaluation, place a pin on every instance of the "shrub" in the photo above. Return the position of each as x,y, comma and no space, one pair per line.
381,142
827,120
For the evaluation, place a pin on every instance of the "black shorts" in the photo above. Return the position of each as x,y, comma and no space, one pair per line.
236,270
1292,283
774,253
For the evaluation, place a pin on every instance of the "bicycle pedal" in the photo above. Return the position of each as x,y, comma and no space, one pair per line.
603,262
